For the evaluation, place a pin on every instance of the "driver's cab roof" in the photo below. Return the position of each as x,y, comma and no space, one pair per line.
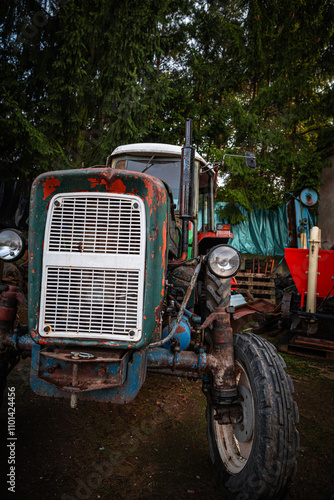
148,148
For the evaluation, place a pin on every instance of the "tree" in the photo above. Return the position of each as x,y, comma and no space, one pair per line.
275,96
257,75
79,77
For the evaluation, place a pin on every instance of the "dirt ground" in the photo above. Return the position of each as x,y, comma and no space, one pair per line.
152,448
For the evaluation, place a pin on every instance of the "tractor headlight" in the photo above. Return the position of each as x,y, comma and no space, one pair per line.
12,244
224,261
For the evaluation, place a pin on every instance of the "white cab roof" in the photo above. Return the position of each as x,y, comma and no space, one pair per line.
150,148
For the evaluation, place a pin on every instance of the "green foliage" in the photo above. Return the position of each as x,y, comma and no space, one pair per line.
80,78
85,80
278,108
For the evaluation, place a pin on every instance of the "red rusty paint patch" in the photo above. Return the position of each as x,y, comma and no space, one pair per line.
96,181
116,187
149,187
164,247
49,186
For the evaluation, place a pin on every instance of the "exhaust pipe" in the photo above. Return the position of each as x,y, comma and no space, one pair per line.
187,188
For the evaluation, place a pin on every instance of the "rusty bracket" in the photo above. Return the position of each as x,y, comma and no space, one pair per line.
77,372
221,362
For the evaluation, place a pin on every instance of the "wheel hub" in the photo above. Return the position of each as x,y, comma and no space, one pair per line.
243,431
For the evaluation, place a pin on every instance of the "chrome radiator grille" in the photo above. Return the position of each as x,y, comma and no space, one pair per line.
93,267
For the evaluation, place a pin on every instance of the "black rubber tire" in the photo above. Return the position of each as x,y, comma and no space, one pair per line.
218,292
269,462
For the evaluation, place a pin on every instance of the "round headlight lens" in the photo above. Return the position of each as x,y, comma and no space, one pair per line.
12,244
224,261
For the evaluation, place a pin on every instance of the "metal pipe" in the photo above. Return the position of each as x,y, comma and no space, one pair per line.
315,241
160,358
176,373
21,343
74,395
186,189
193,317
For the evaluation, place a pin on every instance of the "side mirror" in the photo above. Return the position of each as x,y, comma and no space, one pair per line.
250,160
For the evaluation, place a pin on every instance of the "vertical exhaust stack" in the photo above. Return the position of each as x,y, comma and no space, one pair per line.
187,188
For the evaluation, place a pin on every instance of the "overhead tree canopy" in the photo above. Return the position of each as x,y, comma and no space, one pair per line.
80,78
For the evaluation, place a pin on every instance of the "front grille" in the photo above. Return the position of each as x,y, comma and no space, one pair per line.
95,224
91,301
93,267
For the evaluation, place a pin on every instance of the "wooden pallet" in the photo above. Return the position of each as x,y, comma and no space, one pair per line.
256,285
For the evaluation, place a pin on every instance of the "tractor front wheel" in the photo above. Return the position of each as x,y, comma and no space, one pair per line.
256,459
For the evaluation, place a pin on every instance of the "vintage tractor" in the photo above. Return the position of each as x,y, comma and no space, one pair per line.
127,273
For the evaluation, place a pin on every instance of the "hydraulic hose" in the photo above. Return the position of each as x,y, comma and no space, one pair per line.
182,308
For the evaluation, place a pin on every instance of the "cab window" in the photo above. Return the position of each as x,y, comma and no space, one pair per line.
167,170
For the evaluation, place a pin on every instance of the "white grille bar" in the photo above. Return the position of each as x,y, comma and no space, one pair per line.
93,267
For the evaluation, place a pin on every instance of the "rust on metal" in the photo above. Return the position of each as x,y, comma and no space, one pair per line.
82,372
49,186
224,379
9,297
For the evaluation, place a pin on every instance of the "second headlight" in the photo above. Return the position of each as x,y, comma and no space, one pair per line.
224,261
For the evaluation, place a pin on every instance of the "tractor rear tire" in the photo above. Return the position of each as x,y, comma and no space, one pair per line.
257,458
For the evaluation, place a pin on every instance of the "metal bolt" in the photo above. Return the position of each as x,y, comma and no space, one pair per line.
135,205
57,203
132,333
101,372
52,369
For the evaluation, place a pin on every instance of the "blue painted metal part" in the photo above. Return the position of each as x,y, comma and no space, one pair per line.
309,197
190,361
182,334
303,221
134,366
193,317
24,342
18,342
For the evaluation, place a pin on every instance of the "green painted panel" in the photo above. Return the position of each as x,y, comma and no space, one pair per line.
157,204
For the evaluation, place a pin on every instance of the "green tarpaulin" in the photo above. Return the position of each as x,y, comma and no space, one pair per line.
264,233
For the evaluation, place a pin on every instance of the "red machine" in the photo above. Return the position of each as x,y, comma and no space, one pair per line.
297,260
